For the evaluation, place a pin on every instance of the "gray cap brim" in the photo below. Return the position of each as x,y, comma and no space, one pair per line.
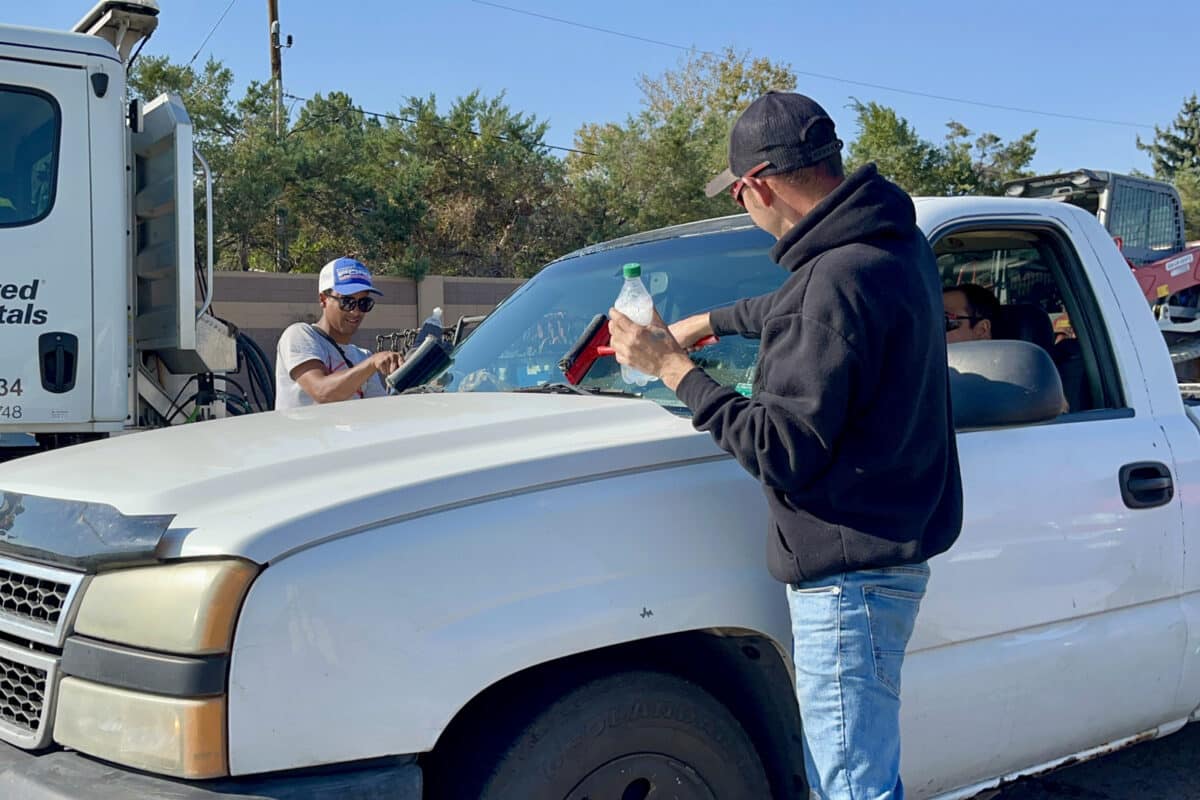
720,183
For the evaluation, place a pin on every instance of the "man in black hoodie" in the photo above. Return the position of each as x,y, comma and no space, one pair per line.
848,427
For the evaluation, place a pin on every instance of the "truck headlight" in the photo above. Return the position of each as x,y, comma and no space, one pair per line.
180,737
188,608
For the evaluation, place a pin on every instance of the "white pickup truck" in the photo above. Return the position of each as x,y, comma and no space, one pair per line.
499,586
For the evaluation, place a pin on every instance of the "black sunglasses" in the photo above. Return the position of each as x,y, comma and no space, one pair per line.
955,321
363,304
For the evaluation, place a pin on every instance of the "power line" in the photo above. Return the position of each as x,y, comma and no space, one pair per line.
410,121
213,30
585,26
824,76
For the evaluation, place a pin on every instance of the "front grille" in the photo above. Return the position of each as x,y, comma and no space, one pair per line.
22,695
37,606
28,681
37,600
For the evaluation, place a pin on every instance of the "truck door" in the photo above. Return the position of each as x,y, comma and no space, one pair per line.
45,247
1053,625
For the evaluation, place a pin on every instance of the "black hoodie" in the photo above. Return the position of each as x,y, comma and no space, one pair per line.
849,427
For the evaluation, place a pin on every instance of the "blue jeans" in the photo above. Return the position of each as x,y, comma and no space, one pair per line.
849,633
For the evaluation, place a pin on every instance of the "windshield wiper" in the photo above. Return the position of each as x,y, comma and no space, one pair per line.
566,388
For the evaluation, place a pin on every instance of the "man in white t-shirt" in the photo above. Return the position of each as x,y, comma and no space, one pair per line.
316,363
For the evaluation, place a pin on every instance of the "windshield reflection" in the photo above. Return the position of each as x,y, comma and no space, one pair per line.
520,344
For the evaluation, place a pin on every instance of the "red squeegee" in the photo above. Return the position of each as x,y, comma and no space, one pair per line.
592,345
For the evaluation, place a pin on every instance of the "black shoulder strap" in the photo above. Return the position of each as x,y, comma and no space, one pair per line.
336,346
341,352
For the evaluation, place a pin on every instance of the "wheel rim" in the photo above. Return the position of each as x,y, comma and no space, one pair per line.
642,776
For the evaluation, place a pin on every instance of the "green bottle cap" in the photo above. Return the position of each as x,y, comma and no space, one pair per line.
632,270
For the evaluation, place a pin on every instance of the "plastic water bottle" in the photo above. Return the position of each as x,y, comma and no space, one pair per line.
637,304
432,326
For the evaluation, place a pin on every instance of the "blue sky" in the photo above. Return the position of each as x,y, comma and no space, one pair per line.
1112,60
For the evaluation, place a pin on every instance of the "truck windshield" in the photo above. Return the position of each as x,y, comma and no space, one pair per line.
519,345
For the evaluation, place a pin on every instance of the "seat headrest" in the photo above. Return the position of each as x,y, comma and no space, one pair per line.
996,384
1025,322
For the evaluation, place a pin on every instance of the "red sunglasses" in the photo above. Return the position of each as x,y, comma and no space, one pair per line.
740,184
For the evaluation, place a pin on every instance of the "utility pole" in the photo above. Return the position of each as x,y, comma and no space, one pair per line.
281,257
276,63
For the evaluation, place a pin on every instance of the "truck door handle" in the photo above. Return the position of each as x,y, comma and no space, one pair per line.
58,354
1146,484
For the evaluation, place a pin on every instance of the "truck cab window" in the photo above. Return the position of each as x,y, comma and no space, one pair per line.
29,135
1145,219
1035,275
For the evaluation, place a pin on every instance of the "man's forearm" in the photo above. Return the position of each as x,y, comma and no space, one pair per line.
343,385
701,326
690,330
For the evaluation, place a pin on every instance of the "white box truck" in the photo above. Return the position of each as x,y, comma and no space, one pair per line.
103,312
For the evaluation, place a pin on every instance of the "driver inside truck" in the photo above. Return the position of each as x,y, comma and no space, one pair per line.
8,209
970,311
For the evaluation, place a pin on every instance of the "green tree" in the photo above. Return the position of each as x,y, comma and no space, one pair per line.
721,84
1176,147
651,170
335,194
494,191
237,139
1187,181
252,172
207,96
471,191
348,194
981,164
1175,156
888,139
965,163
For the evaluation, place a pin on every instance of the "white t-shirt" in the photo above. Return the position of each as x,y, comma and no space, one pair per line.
302,342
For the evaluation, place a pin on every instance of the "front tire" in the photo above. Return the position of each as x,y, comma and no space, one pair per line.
631,736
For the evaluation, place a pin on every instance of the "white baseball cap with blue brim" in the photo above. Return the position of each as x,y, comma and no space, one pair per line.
346,276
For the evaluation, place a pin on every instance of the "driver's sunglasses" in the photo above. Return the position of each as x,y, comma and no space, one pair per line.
955,321
739,185
363,304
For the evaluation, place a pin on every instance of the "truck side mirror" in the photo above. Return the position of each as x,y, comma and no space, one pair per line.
1003,383
134,116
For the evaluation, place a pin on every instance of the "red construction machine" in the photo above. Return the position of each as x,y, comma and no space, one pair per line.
1145,218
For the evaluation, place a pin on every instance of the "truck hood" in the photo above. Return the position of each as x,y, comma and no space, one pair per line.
264,485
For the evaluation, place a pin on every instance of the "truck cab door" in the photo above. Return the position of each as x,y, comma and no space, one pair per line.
1053,626
45,248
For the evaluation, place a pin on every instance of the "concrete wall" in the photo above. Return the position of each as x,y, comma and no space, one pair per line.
262,304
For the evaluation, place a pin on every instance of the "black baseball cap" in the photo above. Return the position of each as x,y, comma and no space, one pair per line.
780,129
